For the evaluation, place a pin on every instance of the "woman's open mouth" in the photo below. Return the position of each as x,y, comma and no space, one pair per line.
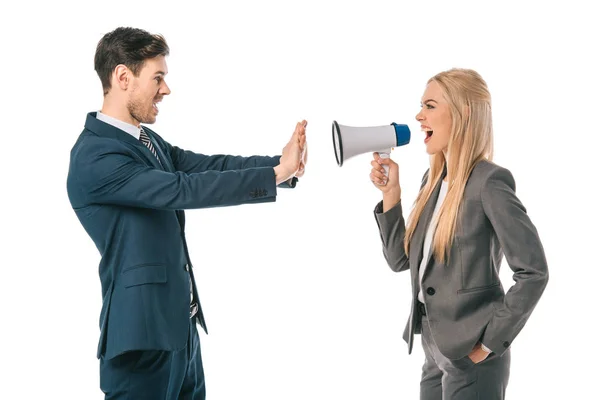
428,133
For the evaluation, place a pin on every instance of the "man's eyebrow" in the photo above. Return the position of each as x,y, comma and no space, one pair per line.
159,73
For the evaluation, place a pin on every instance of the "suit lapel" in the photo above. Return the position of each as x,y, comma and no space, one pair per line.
101,128
416,246
166,165
151,157
165,161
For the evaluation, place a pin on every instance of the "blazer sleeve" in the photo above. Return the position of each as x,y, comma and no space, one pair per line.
392,229
524,254
190,162
102,174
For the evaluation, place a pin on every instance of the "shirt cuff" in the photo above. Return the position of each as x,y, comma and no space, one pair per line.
485,348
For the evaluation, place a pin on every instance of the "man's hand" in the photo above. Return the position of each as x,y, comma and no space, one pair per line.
478,354
293,156
300,172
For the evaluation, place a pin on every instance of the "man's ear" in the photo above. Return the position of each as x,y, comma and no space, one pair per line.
122,76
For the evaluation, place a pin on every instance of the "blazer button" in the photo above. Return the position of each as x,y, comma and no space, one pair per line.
430,291
506,344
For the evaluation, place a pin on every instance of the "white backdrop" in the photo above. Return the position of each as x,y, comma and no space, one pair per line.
299,301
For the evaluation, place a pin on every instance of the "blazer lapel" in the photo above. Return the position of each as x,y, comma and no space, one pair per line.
165,161
106,130
168,166
151,157
416,246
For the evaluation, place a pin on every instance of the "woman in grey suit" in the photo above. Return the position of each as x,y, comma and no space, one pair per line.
465,219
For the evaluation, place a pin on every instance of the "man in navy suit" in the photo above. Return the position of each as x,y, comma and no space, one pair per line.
129,187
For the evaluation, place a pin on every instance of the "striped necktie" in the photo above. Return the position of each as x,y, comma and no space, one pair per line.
146,140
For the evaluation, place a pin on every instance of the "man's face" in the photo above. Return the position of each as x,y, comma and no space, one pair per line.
147,90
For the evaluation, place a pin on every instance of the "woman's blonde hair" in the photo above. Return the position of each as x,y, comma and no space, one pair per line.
471,140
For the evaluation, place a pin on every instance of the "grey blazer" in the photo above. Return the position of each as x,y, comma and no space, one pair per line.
464,298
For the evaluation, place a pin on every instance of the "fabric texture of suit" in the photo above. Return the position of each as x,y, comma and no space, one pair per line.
132,208
464,297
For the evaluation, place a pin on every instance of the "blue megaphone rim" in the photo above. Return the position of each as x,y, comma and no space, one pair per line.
402,134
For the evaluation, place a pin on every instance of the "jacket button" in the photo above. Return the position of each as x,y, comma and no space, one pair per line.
506,344
430,291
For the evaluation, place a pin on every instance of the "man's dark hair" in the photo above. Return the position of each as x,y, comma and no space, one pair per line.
127,46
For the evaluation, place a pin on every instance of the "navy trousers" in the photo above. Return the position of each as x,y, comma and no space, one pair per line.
154,375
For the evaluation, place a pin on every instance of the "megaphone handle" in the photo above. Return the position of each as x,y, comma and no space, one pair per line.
385,167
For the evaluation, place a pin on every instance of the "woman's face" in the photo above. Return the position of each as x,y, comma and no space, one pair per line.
435,119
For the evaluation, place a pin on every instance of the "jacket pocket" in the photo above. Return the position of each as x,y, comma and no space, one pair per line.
479,289
144,274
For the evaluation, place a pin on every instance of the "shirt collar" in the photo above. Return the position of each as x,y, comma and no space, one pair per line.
124,126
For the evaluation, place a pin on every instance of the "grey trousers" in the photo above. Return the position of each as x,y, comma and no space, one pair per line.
462,379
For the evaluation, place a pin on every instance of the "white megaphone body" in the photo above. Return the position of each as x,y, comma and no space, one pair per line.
349,141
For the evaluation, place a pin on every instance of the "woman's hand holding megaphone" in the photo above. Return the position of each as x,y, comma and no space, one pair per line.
389,185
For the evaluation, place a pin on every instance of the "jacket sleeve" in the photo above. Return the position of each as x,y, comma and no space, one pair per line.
524,254
392,229
190,162
103,174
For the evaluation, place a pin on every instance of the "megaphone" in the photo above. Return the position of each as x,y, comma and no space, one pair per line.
349,141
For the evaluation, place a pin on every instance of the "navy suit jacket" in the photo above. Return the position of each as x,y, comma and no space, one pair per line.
132,208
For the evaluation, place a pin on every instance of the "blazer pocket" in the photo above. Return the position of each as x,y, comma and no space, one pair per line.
479,289
144,274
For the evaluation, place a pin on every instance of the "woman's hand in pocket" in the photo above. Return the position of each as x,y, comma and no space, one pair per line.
478,354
